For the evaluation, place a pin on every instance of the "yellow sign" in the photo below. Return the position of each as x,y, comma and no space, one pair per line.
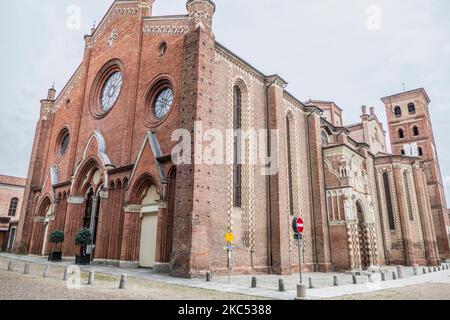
229,237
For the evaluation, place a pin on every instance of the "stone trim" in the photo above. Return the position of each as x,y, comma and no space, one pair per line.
75,200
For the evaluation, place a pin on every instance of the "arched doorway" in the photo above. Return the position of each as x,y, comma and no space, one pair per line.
90,220
362,236
149,227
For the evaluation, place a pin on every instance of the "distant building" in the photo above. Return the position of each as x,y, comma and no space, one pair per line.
11,198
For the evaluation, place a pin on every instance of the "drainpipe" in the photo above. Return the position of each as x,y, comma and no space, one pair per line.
269,183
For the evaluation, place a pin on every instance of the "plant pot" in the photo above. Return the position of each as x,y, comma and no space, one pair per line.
83,260
55,256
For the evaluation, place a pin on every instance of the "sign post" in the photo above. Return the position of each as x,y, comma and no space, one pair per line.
298,227
229,238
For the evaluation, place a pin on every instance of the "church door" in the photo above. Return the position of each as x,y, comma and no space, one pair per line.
149,225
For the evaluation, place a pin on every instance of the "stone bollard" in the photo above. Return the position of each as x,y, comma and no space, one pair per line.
10,266
26,269
416,269
254,282
208,277
123,282
394,276
91,279
311,283
46,271
400,272
424,271
383,276
281,285
66,274
335,281
355,280
301,292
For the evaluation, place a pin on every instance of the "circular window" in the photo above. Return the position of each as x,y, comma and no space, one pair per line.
163,103
110,91
64,145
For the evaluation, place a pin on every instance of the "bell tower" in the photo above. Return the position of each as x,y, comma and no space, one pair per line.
412,135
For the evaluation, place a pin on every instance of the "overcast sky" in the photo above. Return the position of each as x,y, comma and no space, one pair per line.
325,49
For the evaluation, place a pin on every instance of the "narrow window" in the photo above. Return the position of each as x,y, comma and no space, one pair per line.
401,133
387,192
415,131
420,151
13,207
408,196
398,111
237,169
289,154
403,152
411,108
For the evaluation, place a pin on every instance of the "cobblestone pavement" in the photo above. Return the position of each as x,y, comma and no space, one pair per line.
267,285
14,285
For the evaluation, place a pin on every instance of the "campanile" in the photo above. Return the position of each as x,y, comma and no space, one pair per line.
412,135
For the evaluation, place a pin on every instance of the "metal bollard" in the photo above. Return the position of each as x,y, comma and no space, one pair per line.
26,269
46,272
281,285
10,266
400,272
66,274
335,281
434,269
394,276
424,271
429,269
416,269
208,277
123,282
383,276
370,278
253,282
439,268
311,283
301,292
355,280
91,279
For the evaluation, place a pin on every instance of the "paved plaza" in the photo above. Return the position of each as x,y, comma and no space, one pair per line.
267,285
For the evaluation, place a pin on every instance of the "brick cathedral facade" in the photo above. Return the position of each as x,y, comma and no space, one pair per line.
102,160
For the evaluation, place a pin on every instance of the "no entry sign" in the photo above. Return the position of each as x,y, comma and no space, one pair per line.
298,225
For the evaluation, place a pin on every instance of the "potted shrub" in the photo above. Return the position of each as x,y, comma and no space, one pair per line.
83,239
56,237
